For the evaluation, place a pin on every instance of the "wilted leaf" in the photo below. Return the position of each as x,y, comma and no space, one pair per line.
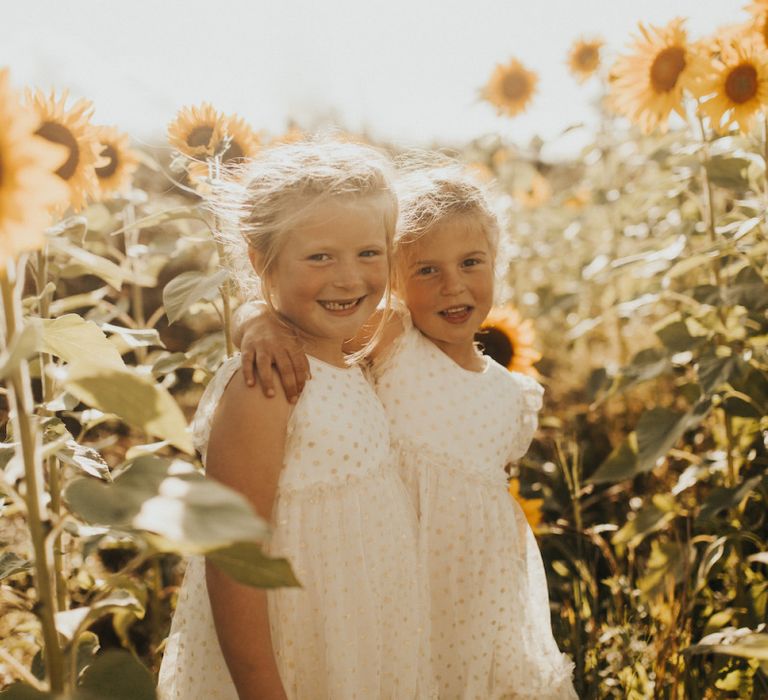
188,289
116,675
76,340
135,398
11,564
246,562
88,262
169,499
84,458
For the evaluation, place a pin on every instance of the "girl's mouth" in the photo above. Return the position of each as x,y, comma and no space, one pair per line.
342,307
456,314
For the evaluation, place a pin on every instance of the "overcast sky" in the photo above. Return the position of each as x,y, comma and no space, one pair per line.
407,70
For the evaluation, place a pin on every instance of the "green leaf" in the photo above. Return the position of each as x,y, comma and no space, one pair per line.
11,564
23,346
645,365
171,501
728,172
71,623
743,642
188,289
620,464
246,563
723,498
659,429
652,517
748,290
22,691
116,675
134,337
666,559
76,340
134,397
169,363
677,337
85,458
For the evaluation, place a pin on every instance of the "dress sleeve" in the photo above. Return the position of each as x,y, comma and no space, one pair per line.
203,420
527,419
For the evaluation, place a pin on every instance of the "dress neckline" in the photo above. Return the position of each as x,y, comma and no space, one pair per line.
312,358
448,359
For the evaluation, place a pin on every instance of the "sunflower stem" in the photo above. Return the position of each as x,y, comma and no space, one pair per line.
131,238
226,305
21,405
709,202
52,465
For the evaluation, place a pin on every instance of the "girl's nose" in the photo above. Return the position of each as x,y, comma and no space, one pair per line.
347,276
452,284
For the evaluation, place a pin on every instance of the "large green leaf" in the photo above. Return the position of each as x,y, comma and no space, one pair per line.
116,675
76,340
134,397
729,172
660,428
650,518
714,371
677,337
620,464
188,289
246,562
85,262
722,498
23,346
667,559
181,509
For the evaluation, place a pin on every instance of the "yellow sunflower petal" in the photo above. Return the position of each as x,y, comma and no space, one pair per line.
72,129
28,187
647,85
530,506
511,88
509,340
115,173
196,131
584,58
736,89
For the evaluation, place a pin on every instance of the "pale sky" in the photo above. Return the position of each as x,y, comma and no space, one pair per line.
407,70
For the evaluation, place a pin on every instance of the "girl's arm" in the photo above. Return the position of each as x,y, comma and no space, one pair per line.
245,452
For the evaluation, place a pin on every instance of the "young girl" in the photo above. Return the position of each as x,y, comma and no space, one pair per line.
319,223
457,418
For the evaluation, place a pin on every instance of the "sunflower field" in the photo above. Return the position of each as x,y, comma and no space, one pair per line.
636,292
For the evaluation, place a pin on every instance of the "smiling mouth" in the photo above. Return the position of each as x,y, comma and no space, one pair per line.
456,314
341,306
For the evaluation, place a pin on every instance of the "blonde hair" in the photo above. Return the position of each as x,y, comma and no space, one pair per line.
256,204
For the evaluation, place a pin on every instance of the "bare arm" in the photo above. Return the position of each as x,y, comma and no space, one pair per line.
266,342
245,452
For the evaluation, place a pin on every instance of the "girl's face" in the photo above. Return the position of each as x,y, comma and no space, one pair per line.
331,273
447,284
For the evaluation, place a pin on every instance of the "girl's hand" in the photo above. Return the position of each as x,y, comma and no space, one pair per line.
266,343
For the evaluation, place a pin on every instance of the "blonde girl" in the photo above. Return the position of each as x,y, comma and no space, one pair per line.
457,418
317,219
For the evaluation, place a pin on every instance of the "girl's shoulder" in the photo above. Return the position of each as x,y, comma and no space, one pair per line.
530,390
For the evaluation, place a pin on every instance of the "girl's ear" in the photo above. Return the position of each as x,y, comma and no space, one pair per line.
257,260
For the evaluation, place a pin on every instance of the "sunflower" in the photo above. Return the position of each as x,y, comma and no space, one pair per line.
737,89
511,88
119,162
196,131
509,340
29,189
537,193
530,506
759,24
70,128
584,58
647,85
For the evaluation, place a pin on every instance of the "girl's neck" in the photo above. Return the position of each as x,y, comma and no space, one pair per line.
466,356
329,351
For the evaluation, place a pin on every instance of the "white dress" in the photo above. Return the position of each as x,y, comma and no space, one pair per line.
456,430
357,627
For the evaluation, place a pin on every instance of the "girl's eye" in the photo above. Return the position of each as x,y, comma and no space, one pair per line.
426,270
370,253
471,262
319,257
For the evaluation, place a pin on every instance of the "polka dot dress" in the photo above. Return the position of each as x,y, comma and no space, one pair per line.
357,629
455,430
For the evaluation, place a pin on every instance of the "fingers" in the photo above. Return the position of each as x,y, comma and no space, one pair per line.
247,362
288,377
264,370
301,367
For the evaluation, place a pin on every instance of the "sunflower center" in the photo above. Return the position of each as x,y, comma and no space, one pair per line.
587,57
496,344
109,169
514,86
741,83
233,151
58,133
666,68
200,136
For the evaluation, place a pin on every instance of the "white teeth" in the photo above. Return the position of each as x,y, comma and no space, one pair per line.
456,310
338,305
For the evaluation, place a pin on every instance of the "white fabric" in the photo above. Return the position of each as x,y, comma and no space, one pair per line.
357,628
455,431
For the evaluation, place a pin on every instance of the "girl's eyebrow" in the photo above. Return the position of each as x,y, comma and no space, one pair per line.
463,255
